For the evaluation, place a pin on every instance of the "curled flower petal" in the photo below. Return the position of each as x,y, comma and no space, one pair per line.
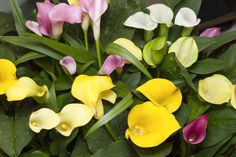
186,51
141,20
211,32
7,75
186,17
195,132
111,63
76,2
130,46
23,88
160,13
43,119
215,89
150,125
69,64
88,89
162,92
73,116
233,96
34,27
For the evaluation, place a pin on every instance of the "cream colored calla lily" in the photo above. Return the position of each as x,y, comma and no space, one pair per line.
91,90
73,116
186,51
130,46
215,89
186,17
7,75
43,119
233,96
25,87
141,20
160,13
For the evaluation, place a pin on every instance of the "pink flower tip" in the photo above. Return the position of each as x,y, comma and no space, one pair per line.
111,63
211,32
195,132
69,64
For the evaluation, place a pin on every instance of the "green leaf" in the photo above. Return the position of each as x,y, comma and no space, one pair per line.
52,101
193,4
29,56
221,124
115,111
63,83
72,41
227,146
116,49
64,99
7,23
121,89
207,66
6,52
171,3
81,148
203,43
132,80
160,151
182,114
36,153
116,149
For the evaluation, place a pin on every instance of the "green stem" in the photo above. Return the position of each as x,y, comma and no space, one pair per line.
148,35
86,39
98,53
164,30
111,131
186,31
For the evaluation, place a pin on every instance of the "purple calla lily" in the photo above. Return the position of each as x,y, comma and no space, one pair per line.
211,32
111,63
50,18
195,131
69,64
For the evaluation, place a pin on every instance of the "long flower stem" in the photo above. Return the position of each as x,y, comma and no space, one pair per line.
111,131
86,39
98,53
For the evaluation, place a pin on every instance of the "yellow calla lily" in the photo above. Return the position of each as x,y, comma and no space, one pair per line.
91,90
150,125
71,2
25,87
7,75
162,92
233,96
43,119
73,116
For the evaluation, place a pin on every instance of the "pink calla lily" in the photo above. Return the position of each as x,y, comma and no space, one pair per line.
211,32
51,17
195,132
111,63
69,64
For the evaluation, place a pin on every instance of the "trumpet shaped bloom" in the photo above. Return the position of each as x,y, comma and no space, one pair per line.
186,51
215,89
111,63
91,90
7,75
162,92
211,32
233,96
150,125
195,132
69,64
186,17
50,18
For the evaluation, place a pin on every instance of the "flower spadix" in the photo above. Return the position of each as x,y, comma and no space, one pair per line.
186,51
215,89
73,116
150,125
43,119
162,92
91,90
7,75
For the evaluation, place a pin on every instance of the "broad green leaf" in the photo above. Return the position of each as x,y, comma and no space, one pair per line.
83,68
52,101
182,114
227,146
193,4
116,49
72,41
6,52
116,149
132,80
64,99
221,124
63,83
7,23
121,89
160,151
207,66
203,43
81,148
171,3
47,65
29,56
36,153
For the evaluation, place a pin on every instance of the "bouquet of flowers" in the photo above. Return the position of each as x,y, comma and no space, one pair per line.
117,78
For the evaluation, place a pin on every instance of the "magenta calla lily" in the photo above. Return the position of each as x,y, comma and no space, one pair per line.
51,17
195,132
69,64
111,63
211,32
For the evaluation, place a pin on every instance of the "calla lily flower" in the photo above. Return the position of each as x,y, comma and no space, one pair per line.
73,116
186,17
211,32
141,20
150,125
7,75
162,92
51,18
160,13
233,96
43,119
186,51
91,90
69,64
111,63
215,89
195,132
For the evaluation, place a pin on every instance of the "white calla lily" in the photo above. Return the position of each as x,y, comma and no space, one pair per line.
186,17
160,13
141,20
